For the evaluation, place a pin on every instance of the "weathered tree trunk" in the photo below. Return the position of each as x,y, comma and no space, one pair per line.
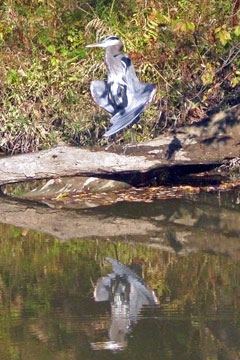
207,143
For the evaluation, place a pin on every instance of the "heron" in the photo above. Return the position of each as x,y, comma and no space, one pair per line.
122,95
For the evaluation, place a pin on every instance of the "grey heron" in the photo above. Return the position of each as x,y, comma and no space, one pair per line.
122,95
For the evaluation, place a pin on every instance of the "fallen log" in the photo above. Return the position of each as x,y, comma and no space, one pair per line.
195,148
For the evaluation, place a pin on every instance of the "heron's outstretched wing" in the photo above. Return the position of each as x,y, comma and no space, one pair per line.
131,112
124,118
100,93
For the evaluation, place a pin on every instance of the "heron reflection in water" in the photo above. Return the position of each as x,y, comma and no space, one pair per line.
127,294
122,95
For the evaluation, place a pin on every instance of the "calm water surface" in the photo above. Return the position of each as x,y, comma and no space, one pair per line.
175,293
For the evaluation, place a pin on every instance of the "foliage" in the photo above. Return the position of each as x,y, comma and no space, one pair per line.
189,48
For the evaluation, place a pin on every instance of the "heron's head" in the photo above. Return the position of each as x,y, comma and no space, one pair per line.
107,42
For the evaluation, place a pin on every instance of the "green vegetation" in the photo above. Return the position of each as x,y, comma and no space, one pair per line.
189,48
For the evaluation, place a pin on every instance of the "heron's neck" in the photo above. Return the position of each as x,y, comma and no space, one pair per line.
111,59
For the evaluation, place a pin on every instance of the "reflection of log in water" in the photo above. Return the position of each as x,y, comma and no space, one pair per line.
127,294
173,225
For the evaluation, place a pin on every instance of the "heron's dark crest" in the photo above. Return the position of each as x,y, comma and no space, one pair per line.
122,94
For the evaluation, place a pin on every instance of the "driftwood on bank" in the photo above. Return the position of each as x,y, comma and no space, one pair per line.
194,148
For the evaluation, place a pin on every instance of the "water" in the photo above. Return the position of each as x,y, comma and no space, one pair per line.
187,252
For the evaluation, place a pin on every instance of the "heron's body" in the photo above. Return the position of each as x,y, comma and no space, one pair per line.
122,94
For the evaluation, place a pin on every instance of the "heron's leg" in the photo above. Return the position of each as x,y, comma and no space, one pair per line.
133,131
133,137
111,143
133,142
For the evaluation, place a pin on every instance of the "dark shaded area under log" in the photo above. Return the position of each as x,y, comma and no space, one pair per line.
175,175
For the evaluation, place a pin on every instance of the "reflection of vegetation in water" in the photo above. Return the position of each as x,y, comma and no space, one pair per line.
19,189
44,284
204,280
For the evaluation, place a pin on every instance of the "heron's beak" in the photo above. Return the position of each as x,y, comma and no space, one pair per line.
95,45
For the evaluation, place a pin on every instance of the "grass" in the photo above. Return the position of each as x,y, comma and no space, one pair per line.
189,49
